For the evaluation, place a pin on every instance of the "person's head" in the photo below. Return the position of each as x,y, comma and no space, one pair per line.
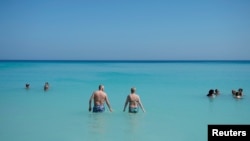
46,86
133,89
240,90
101,87
216,91
211,91
27,85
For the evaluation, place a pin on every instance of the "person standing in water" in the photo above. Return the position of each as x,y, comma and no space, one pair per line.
134,102
46,86
99,97
27,86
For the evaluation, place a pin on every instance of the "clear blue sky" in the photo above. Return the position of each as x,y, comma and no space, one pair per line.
125,29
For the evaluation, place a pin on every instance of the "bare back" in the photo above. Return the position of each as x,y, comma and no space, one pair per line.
99,97
133,100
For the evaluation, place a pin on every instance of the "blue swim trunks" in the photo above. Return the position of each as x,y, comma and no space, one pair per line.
133,110
98,108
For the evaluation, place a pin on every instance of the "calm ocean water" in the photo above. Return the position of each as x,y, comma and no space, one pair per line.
173,94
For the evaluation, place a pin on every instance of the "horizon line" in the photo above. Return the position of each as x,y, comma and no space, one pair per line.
120,60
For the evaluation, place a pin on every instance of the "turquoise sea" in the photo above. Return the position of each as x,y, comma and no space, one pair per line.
173,94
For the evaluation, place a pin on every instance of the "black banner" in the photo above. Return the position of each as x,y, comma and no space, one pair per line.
223,132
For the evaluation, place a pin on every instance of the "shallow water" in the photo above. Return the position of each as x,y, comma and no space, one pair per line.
173,94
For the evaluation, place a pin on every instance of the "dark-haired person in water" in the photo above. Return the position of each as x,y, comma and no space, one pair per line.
27,85
46,86
238,94
211,93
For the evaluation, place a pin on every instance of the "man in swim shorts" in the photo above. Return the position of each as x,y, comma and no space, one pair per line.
98,108
99,97
134,101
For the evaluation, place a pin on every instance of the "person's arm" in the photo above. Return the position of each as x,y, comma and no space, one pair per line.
90,101
126,103
108,104
140,104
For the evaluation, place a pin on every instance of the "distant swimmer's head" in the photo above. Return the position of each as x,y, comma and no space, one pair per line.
101,87
46,86
211,91
240,90
27,85
216,91
133,89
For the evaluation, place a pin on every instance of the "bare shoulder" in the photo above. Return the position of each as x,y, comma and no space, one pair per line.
96,93
104,94
137,96
129,96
